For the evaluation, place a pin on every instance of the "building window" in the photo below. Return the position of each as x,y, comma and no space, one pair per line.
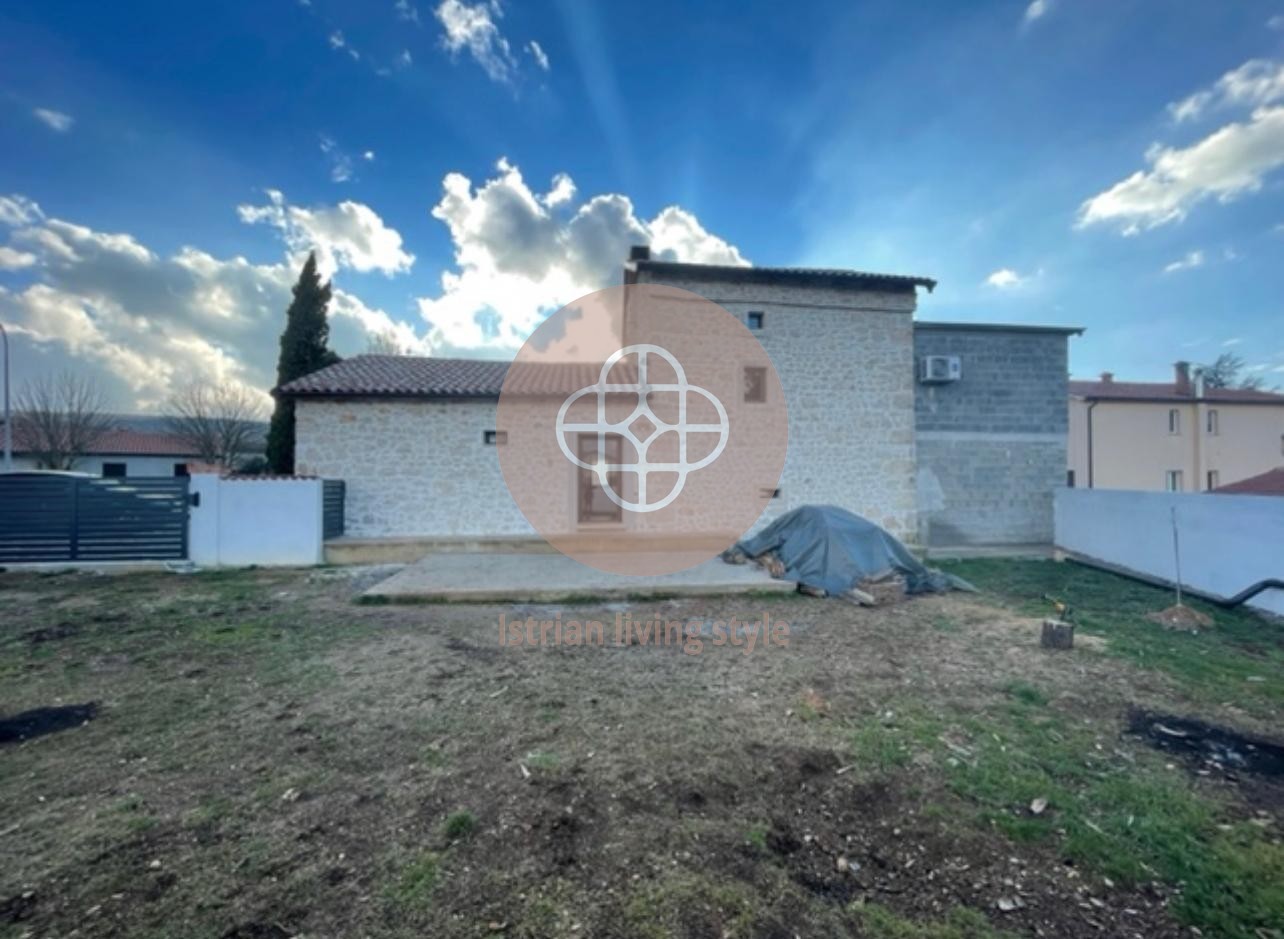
114,469
755,384
180,469
1212,422
1070,479
1174,421
493,438
1214,480
1172,481
756,319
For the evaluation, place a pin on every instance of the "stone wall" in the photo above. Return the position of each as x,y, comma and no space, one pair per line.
845,362
411,467
991,446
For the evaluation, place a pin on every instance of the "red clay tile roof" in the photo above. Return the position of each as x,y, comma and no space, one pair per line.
1270,483
1166,391
122,442
404,376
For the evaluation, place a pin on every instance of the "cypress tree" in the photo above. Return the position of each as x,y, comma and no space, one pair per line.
303,350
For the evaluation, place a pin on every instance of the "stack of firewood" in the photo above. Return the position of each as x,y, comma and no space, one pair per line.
887,587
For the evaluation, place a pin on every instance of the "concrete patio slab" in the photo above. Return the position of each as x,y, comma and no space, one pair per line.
542,578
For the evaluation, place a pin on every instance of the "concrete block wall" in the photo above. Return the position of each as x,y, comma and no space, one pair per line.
991,446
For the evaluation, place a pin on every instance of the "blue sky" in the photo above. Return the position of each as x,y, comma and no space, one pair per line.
464,166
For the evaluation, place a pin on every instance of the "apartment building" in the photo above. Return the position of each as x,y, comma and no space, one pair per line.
1178,436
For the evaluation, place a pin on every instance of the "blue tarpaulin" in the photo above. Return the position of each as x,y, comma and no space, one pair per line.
830,548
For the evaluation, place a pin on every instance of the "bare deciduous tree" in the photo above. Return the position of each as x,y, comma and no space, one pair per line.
1227,372
219,423
59,418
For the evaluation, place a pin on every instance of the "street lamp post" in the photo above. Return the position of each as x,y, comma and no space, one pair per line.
8,419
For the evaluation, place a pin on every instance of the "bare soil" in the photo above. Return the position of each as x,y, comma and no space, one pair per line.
267,759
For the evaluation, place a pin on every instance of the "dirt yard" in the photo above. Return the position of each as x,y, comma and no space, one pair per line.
251,755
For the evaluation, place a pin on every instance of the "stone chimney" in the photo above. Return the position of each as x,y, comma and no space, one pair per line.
1182,374
640,253
1107,377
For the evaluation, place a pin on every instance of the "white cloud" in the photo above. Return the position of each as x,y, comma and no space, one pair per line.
1037,10
405,60
516,261
1192,259
406,11
1005,278
562,191
339,43
14,260
472,27
349,234
1226,164
54,120
340,162
19,210
538,54
368,156
1276,22
141,324
1256,82
1232,342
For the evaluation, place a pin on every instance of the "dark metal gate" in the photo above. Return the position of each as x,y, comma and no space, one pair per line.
73,518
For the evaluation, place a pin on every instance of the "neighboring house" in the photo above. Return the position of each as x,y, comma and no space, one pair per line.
981,451
120,452
1270,483
1178,436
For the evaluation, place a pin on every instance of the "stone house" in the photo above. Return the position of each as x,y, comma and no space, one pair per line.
970,456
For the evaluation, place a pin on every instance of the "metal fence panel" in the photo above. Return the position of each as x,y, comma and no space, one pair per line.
61,518
37,518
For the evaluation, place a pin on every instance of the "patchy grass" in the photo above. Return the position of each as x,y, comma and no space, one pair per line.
880,922
1133,819
459,825
1239,658
416,882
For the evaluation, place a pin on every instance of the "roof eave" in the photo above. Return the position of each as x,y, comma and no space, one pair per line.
781,275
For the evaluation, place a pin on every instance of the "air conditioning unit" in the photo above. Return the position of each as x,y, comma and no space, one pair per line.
938,369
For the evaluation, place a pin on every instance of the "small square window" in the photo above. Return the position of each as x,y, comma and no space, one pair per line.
1172,481
1214,479
756,319
755,384
1070,479
494,438
114,469
180,469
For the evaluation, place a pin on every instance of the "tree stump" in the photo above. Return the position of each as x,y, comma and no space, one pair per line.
1057,634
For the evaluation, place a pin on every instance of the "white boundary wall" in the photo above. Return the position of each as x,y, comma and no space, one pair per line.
255,521
1228,542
